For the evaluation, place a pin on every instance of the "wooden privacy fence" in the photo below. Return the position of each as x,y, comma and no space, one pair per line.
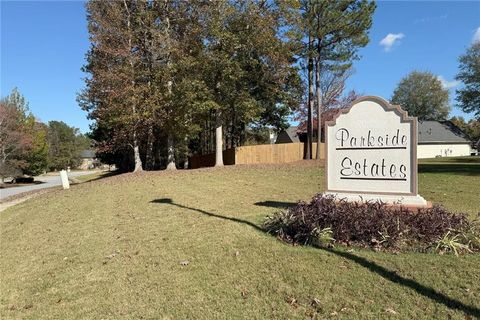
265,153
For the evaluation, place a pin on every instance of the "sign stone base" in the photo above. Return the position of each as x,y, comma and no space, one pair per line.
401,200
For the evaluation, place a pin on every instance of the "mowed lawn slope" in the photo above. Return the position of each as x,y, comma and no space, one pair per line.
189,245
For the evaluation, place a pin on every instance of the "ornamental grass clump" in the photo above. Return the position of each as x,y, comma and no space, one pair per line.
328,220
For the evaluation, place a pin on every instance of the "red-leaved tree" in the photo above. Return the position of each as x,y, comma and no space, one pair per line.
15,141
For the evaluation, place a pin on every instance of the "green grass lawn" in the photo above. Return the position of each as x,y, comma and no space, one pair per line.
453,182
112,249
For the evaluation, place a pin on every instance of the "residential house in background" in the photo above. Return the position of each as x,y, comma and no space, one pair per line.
435,138
442,139
295,134
88,160
288,135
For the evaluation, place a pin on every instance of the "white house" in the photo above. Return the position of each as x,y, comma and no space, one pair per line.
435,139
441,139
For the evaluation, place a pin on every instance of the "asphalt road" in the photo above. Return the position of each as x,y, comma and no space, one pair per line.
48,181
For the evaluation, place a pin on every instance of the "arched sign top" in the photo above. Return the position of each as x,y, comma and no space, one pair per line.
371,153
380,101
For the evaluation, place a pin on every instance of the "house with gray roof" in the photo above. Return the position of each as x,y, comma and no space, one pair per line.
435,139
442,139
88,160
288,135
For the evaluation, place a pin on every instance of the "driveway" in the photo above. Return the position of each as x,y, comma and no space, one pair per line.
48,181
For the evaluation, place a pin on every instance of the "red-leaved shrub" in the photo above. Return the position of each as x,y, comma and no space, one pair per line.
371,224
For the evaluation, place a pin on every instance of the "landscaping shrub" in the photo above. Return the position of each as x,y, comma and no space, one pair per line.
374,224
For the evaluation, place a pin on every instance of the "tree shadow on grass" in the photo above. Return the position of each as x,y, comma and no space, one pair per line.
464,159
106,174
211,214
464,169
275,204
392,276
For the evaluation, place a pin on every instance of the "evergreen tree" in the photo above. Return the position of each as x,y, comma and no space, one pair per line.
469,96
470,128
249,69
328,35
65,146
37,156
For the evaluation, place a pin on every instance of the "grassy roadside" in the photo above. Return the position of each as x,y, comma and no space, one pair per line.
453,182
112,248
17,198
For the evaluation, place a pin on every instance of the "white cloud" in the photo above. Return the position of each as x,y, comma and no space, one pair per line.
448,84
431,19
476,36
390,40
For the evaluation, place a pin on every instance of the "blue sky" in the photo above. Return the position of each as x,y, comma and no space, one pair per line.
431,35
43,46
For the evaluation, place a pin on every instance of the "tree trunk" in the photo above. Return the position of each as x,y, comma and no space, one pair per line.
170,154
233,131
218,141
136,151
319,106
213,124
2,163
136,155
170,147
149,159
185,162
308,154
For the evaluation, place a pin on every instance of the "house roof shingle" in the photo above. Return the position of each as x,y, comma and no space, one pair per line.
428,131
87,154
440,132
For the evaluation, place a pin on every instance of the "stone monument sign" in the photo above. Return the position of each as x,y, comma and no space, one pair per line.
371,154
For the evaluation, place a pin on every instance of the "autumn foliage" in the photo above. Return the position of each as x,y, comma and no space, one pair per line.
374,224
